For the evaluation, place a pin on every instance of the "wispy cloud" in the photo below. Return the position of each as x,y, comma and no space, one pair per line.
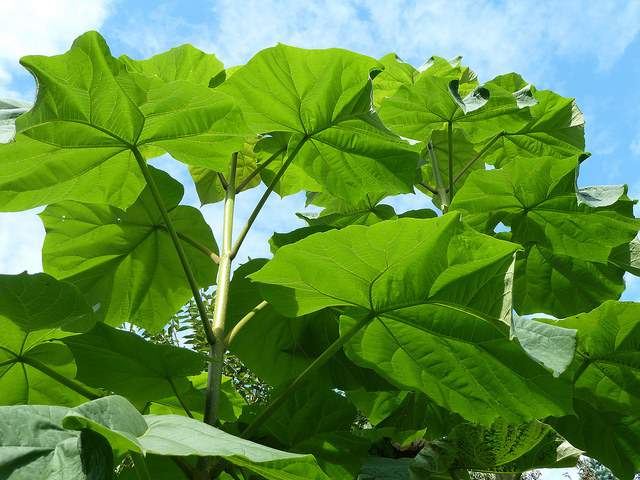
45,27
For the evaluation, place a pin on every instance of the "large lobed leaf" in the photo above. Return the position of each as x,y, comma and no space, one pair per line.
323,97
93,110
34,311
124,261
607,386
435,291
33,438
569,235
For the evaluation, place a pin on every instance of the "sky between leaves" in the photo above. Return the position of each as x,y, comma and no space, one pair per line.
588,50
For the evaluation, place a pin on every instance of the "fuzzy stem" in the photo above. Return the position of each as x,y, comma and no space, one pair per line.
315,365
157,196
218,348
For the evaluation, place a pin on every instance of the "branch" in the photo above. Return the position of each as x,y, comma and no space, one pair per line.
260,167
180,400
196,244
67,382
317,363
217,349
243,321
429,187
477,157
157,196
264,198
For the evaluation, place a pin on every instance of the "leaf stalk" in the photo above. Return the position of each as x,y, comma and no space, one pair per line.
157,196
440,186
324,357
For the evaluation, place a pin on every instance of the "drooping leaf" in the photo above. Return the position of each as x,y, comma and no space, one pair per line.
127,431
125,260
566,266
434,292
126,364
9,111
33,445
91,112
323,97
34,311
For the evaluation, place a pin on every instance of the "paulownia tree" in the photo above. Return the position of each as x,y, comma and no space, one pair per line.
425,325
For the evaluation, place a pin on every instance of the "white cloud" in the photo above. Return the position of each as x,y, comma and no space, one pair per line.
44,27
495,37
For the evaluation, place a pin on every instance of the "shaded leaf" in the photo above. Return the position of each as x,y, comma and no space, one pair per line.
435,289
125,261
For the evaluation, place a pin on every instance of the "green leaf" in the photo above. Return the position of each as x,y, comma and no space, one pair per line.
435,291
607,386
231,402
33,446
34,311
382,468
9,111
338,214
288,345
564,235
128,431
396,73
463,154
323,97
435,100
501,448
92,112
556,127
610,437
125,261
548,344
207,181
126,364
181,63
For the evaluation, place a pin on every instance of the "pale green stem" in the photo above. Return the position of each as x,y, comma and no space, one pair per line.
440,186
67,382
243,321
300,379
450,153
263,199
217,350
157,196
477,157
258,169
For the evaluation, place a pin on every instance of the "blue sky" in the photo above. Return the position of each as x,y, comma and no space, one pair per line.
586,49
583,49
